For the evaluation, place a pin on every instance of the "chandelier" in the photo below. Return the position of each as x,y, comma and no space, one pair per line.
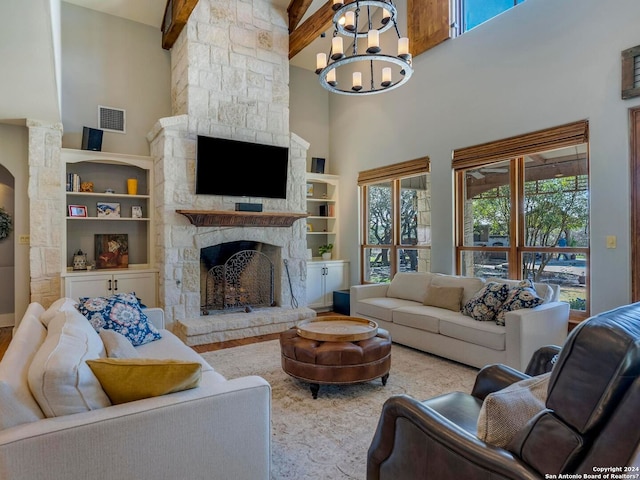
364,20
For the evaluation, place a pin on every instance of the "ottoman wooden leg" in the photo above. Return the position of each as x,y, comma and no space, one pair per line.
314,390
384,379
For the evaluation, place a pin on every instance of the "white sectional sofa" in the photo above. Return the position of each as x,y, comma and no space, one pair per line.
399,307
217,430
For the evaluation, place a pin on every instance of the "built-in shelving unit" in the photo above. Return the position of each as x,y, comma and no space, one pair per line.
108,172
323,276
322,206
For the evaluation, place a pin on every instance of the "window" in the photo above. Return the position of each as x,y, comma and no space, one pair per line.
527,216
396,220
471,13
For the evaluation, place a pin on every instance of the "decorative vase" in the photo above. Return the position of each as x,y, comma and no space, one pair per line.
326,256
132,186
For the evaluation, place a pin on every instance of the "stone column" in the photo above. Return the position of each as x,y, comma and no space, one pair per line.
46,210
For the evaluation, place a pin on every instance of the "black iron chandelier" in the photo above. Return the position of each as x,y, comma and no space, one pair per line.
364,20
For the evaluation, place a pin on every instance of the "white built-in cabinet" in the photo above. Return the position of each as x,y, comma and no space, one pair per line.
323,278
109,171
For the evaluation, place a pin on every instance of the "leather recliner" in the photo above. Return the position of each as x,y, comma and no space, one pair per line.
591,420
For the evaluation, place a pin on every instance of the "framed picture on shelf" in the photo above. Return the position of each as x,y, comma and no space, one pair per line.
317,165
136,211
77,210
108,210
112,250
309,189
309,227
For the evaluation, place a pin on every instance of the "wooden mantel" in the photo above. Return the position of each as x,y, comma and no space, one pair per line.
232,218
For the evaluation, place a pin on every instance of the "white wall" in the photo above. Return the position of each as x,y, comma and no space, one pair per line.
311,123
117,63
541,64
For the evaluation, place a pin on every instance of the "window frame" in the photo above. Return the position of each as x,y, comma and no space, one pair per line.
514,149
393,174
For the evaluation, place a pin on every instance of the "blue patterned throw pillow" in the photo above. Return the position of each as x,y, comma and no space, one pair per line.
521,296
485,304
122,313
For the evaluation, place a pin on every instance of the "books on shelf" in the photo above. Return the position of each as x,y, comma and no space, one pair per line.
73,182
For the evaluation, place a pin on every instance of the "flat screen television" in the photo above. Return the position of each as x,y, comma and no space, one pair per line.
241,169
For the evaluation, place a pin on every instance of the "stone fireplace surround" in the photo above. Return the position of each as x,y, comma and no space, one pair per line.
230,78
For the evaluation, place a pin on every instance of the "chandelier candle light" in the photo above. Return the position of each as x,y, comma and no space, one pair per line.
385,72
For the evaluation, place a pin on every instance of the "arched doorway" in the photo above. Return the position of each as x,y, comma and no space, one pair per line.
7,251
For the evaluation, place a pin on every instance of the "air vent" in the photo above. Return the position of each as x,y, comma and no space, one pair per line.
111,119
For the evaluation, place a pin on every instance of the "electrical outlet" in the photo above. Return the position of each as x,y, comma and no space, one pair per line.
24,239
611,241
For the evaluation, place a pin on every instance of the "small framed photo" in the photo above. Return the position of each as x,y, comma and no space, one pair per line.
317,165
309,189
77,210
136,211
108,210
309,227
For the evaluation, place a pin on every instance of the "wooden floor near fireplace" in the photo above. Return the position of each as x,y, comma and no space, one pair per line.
5,338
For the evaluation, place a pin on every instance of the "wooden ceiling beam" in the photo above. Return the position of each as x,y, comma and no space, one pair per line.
312,28
176,14
296,10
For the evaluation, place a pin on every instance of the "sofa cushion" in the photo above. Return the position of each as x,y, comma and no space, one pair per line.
470,284
421,317
521,296
117,345
130,379
486,303
444,297
122,313
486,334
59,378
60,305
381,307
409,285
12,411
170,346
505,412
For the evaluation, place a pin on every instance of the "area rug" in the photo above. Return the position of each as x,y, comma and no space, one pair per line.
328,438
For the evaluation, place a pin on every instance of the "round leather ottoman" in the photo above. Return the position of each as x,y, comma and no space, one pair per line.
319,362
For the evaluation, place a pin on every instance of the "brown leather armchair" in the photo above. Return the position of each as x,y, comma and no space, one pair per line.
591,419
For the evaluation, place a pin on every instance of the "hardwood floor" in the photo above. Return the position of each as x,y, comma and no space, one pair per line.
5,338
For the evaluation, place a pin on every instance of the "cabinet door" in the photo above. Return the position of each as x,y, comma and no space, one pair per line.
87,286
315,285
336,278
143,284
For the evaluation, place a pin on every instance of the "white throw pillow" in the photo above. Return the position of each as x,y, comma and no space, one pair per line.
409,286
505,412
117,345
59,378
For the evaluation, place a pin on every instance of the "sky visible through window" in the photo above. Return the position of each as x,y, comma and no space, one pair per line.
479,11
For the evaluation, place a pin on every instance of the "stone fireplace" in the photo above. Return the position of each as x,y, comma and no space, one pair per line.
230,79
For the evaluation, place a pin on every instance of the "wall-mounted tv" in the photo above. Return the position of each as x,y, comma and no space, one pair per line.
241,169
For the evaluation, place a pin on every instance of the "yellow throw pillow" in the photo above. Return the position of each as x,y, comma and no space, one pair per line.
444,297
128,379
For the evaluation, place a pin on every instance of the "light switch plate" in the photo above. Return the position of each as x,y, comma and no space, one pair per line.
611,241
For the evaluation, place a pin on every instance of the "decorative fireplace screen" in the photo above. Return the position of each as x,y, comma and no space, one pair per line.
244,280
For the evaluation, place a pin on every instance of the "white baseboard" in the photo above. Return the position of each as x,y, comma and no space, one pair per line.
7,320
